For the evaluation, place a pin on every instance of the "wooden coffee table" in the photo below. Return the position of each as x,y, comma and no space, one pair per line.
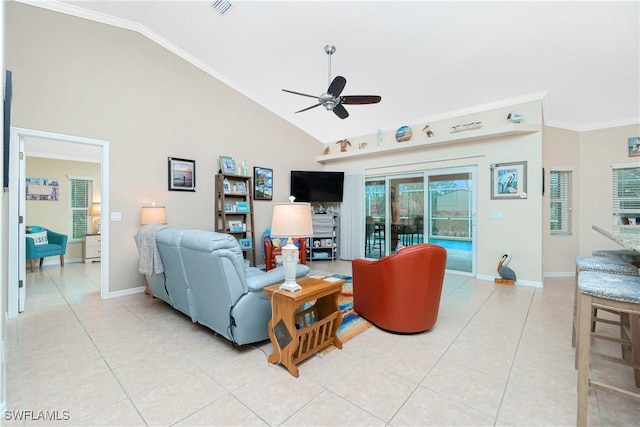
297,336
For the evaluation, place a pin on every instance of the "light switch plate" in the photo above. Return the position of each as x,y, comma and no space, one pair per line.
496,215
116,216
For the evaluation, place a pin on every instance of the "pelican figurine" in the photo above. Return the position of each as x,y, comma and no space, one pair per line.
504,271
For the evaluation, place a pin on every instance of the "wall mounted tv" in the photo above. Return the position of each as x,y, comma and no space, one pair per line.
317,186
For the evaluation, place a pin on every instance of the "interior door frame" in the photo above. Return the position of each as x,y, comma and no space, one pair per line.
16,268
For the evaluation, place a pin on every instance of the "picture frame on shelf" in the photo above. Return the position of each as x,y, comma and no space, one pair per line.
226,187
181,174
241,187
228,207
227,165
235,226
262,183
509,180
245,244
242,207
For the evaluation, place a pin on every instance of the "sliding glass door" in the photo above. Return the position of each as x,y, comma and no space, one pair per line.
451,208
395,209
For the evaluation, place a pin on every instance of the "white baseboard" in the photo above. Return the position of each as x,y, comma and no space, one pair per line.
518,282
126,292
560,274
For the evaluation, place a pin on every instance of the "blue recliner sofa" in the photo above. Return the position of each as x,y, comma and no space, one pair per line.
206,278
56,244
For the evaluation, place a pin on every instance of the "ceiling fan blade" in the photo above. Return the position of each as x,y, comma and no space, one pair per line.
360,99
301,94
337,86
340,111
308,108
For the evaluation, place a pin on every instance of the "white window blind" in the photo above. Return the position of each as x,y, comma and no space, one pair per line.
560,203
80,201
626,196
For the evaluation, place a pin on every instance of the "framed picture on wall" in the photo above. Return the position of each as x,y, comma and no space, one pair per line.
182,174
262,183
634,146
509,180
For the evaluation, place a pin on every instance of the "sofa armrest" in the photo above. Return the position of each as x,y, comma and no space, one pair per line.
258,282
57,239
31,248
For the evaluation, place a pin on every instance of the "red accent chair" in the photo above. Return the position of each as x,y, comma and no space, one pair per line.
270,252
401,292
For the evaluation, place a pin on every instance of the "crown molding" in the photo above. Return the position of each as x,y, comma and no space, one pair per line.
630,121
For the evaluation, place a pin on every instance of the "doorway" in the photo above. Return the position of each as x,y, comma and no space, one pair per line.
16,226
398,214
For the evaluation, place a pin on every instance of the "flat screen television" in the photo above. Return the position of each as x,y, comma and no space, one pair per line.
317,186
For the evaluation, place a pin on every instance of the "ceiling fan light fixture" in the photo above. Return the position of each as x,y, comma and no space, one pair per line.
328,105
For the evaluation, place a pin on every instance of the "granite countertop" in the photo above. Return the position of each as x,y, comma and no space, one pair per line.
630,238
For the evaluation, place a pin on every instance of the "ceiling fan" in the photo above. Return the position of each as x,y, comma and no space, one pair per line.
331,100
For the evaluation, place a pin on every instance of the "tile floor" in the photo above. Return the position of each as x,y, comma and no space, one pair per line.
499,355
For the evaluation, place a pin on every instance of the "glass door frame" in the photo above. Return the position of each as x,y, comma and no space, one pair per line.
387,178
473,171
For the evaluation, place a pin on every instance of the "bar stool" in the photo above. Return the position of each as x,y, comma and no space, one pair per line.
623,254
610,292
603,265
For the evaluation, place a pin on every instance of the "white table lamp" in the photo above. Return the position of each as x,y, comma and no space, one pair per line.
94,211
153,215
291,220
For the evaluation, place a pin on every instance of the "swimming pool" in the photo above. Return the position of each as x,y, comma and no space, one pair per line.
460,245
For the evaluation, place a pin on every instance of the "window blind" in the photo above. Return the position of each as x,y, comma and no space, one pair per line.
560,203
626,196
79,210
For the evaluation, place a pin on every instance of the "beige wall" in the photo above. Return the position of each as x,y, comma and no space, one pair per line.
520,229
55,215
561,149
77,77
599,150
592,155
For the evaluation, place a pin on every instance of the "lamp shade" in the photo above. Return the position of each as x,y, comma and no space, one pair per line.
153,215
291,220
95,209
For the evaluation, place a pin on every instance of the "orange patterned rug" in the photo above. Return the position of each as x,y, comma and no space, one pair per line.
352,323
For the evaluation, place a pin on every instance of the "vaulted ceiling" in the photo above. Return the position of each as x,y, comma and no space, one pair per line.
426,59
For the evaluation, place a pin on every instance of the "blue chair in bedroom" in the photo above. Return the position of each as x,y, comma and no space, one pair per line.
41,243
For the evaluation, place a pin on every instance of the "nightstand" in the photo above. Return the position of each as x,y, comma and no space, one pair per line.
91,248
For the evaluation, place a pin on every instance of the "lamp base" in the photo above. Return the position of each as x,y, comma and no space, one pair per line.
289,262
291,287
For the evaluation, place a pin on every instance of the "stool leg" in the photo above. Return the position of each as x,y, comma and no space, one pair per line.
574,327
582,357
634,325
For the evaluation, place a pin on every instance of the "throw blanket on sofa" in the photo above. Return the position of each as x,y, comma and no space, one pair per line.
150,262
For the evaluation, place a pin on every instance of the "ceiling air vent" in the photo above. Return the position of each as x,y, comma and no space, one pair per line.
222,6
